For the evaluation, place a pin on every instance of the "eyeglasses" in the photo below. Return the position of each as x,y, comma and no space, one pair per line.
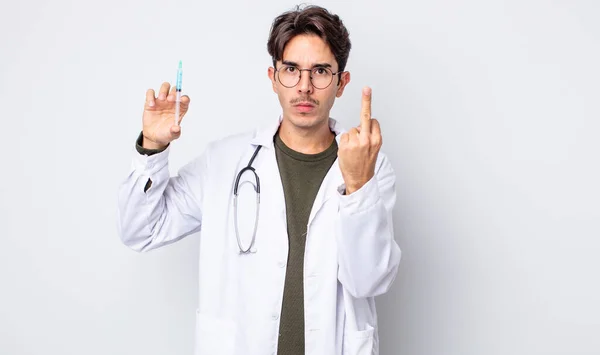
320,77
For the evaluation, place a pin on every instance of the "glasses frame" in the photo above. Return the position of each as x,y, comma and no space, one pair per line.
339,74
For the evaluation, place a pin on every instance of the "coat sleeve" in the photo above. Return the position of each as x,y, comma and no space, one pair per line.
155,209
368,255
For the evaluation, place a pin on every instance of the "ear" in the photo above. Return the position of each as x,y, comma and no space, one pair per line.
344,80
271,73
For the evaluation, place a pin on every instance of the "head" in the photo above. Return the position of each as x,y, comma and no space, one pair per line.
314,39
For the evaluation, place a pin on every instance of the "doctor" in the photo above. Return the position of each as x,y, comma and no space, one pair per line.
292,267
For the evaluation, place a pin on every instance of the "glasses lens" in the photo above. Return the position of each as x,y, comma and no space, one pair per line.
289,76
321,77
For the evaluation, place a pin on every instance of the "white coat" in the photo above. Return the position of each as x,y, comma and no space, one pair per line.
350,254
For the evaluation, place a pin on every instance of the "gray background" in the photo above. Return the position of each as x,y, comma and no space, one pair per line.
490,115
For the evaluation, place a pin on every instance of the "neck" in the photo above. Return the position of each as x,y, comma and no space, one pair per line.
311,140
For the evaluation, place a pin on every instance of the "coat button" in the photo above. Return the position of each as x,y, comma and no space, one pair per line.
281,264
275,316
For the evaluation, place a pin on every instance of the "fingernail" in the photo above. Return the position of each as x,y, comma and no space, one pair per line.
366,90
151,103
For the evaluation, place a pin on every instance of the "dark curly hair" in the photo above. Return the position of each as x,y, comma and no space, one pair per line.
311,19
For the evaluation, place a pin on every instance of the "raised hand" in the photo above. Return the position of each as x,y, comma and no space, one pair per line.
359,147
159,128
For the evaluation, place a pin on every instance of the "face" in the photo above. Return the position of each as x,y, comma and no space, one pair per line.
305,106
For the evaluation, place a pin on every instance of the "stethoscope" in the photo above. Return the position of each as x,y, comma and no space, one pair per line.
235,196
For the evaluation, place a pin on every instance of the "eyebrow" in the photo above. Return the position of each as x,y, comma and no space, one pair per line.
317,65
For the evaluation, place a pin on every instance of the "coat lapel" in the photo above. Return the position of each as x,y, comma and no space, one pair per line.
329,187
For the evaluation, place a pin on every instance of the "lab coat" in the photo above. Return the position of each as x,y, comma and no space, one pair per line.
350,257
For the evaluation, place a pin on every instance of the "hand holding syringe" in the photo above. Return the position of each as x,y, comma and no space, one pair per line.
163,114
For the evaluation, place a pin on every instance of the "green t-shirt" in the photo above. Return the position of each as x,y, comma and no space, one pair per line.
301,176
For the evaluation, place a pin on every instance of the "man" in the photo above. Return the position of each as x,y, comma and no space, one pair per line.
302,280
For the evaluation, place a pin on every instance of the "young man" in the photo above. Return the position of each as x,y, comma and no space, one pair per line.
302,280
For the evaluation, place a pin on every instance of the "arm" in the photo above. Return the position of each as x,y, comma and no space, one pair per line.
155,209
368,255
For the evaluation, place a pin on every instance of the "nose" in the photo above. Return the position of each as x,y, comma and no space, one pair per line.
305,85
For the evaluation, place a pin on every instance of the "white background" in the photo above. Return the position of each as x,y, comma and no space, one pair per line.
490,115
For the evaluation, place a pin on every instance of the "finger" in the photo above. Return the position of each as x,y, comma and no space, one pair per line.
353,133
184,104
344,138
365,112
185,101
175,131
172,94
150,97
164,90
375,132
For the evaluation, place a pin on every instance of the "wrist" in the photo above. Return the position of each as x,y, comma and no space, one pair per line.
352,188
149,144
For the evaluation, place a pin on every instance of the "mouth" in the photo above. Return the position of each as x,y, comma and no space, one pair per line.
304,106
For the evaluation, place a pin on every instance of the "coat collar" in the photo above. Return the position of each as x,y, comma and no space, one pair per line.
333,182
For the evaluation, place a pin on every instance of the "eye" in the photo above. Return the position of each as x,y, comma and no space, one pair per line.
290,69
321,71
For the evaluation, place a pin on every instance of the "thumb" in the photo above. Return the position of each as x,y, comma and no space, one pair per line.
175,131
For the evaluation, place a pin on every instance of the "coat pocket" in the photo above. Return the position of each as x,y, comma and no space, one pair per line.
359,342
214,336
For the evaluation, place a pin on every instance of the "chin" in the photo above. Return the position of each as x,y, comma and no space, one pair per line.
305,120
